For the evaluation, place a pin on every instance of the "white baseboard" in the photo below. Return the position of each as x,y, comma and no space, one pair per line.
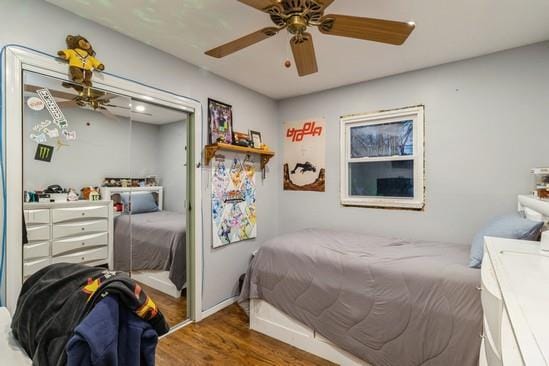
159,280
222,305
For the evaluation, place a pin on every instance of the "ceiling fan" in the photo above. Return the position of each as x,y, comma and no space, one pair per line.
86,97
298,15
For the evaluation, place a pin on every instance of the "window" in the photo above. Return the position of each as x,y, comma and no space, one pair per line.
382,159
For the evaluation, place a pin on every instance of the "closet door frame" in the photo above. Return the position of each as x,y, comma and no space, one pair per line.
16,61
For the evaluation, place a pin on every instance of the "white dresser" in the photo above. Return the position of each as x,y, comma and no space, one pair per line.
515,300
71,232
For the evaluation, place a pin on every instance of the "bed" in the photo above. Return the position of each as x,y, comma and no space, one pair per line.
156,241
355,298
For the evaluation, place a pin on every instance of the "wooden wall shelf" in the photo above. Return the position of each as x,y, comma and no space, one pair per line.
212,149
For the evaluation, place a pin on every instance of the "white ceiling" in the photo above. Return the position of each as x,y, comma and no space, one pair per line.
446,30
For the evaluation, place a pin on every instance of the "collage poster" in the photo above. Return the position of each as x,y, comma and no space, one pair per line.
305,155
233,201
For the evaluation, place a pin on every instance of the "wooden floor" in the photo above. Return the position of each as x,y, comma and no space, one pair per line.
225,339
174,310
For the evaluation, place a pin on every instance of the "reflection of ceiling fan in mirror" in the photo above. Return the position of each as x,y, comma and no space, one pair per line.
87,97
298,15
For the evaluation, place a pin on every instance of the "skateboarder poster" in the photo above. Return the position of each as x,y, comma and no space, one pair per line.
305,155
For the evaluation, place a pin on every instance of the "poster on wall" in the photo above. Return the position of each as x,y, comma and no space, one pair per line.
233,201
304,155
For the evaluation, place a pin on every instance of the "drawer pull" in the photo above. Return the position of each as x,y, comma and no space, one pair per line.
83,243
83,258
83,214
83,228
479,288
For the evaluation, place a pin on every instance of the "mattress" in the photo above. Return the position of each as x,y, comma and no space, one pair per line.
11,353
387,301
158,242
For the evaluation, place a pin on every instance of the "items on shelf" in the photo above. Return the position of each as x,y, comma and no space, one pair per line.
54,193
242,139
149,181
541,176
266,154
90,193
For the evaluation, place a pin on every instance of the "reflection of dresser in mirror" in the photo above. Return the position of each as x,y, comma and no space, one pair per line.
67,232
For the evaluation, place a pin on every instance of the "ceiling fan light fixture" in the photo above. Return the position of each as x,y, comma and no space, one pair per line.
296,16
140,108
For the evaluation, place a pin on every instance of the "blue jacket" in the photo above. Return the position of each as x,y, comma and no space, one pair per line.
111,335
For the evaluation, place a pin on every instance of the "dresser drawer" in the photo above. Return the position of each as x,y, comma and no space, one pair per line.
510,352
36,250
84,256
39,216
32,266
73,213
492,302
72,243
38,232
79,227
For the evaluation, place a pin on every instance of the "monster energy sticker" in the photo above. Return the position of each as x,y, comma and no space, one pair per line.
44,153
52,107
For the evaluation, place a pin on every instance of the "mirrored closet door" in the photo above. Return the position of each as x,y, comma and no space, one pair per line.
156,200
105,184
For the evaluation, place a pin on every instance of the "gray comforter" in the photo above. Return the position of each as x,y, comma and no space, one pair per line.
158,242
387,301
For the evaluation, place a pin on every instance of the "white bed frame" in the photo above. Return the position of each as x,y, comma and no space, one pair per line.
159,280
266,319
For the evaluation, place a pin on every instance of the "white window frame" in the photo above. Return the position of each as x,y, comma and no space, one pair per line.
416,114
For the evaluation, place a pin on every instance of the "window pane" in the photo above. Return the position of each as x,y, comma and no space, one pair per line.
387,139
382,179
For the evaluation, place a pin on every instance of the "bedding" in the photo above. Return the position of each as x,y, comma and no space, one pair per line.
512,226
387,301
158,242
139,202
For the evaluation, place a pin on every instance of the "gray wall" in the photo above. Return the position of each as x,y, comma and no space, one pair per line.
172,164
40,25
486,125
101,150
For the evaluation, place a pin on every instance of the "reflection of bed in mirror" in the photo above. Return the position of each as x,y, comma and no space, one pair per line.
148,240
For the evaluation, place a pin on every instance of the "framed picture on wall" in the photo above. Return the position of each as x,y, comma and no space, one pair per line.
255,137
220,122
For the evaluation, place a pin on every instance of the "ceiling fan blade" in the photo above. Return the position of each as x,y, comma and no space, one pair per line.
304,54
108,114
261,5
106,97
55,93
378,30
68,104
243,42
